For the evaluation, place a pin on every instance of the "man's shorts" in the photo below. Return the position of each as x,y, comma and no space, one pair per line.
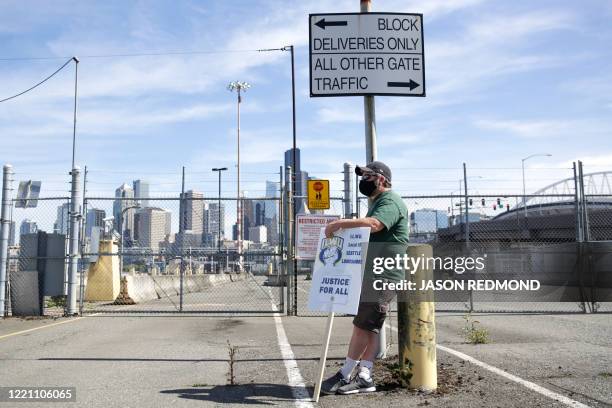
373,307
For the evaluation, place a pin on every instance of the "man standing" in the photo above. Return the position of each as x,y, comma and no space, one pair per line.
387,219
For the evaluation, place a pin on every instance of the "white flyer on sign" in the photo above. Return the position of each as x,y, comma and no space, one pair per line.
308,230
337,271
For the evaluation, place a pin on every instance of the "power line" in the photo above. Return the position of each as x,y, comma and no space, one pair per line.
136,54
38,84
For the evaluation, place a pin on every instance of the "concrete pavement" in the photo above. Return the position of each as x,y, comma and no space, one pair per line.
182,360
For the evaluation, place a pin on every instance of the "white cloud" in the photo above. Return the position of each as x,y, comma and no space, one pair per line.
546,128
592,163
528,129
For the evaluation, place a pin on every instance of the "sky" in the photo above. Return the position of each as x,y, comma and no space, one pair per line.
505,80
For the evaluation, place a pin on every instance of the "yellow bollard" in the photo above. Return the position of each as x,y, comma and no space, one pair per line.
416,327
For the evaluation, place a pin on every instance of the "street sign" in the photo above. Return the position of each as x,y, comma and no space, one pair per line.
366,54
27,194
318,194
336,277
307,236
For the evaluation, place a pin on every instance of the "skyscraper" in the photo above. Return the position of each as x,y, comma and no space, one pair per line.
248,215
300,179
271,211
272,191
95,218
125,200
192,212
153,226
28,227
141,192
12,234
62,220
212,226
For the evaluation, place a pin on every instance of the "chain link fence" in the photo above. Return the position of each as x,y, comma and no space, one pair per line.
161,254
179,253
537,240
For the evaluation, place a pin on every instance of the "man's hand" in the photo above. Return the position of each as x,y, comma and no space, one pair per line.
331,228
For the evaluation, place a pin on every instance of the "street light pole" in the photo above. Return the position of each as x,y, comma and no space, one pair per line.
76,77
523,168
293,174
239,87
294,178
219,170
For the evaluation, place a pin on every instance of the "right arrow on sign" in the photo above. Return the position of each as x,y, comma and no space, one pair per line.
322,23
410,84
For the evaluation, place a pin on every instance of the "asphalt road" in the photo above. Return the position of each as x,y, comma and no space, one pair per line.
182,360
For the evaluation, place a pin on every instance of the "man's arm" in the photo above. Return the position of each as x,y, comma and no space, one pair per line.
369,222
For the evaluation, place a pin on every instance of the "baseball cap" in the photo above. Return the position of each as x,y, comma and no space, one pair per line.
374,167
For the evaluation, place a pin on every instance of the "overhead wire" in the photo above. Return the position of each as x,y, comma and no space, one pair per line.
134,54
38,84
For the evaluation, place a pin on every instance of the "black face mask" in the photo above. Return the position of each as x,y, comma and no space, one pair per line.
367,187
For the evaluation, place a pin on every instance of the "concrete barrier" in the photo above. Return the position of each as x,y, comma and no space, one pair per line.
103,275
143,287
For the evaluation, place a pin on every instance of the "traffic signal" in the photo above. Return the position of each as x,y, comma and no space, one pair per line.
483,202
499,202
471,202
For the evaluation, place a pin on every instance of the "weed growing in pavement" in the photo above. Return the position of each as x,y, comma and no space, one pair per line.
474,334
232,350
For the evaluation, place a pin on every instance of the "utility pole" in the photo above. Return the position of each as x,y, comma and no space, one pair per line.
292,176
5,226
82,241
294,186
292,283
219,170
239,87
183,206
348,190
467,209
75,216
74,119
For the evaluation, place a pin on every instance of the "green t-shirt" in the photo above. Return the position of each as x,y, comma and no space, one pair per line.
390,210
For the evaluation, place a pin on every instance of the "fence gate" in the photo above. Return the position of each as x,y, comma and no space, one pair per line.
133,263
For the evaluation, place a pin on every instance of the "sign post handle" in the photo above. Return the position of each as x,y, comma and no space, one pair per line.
322,360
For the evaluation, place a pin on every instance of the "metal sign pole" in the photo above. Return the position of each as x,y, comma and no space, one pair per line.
369,108
369,114
5,226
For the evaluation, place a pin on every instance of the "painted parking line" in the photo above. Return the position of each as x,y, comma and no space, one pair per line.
45,326
296,381
528,384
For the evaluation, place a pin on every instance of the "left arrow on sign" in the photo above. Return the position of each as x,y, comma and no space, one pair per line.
410,84
322,23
